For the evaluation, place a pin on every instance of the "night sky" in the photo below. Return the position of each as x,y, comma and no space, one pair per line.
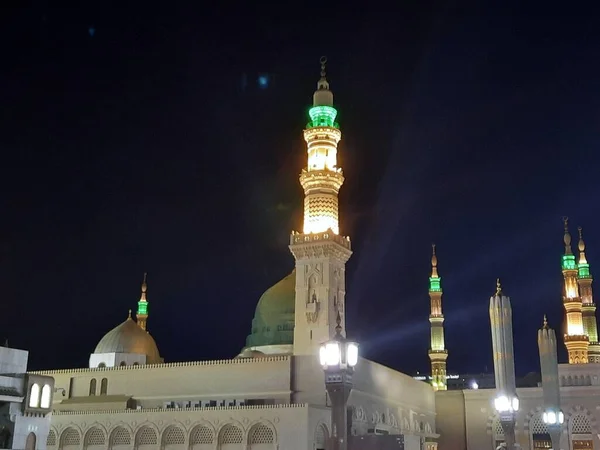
169,141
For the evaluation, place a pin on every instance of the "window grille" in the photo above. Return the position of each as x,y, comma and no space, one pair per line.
146,436
201,435
497,428
580,424
173,436
120,436
94,436
70,437
231,435
51,441
261,434
537,425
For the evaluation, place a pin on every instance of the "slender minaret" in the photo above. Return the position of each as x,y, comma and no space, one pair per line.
437,352
506,402
553,416
588,307
142,311
576,341
320,251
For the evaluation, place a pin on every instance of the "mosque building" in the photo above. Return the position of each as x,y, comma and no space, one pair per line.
270,396
466,418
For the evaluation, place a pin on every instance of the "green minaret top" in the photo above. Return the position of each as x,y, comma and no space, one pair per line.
583,266
142,311
322,114
435,281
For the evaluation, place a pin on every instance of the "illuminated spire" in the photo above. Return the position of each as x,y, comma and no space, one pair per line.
319,250
545,326
498,288
576,340
583,266
435,282
588,308
142,311
322,178
437,351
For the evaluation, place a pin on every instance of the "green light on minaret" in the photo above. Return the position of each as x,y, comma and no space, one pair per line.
584,270
142,308
322,116
435,284
568,262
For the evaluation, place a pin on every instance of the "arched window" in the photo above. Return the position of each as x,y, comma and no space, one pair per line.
321,437
101,365
31,441
34,396
93,386
46,396
145,437
123,363
104,386
228,435
200,437
261,437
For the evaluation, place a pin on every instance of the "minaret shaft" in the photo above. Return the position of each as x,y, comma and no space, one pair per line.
588,309
576,341
437,350
502,343
320,252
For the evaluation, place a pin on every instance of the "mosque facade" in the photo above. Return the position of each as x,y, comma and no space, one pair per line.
270,396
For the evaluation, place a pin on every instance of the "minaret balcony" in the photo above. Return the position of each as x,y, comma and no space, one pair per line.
297,238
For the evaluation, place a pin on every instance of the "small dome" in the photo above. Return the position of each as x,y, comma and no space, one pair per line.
273,322
128,337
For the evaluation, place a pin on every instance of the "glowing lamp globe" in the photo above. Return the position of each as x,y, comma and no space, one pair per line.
506,404
552,417
338,354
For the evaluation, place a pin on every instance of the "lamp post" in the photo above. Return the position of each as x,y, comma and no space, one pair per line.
507,407
554,419
338,358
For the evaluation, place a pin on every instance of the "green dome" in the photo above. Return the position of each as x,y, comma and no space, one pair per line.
273,322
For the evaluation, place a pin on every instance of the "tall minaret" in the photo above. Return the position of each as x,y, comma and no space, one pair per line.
142,311
553,416
576,341
437,352
588,309
320,252
506,402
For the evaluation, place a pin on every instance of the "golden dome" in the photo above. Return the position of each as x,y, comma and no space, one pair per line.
128,337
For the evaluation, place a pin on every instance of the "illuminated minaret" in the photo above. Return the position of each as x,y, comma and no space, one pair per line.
588,307
437,352
142,312
506,401
576,341
320,252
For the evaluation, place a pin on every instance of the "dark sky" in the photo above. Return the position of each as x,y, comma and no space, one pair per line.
139,147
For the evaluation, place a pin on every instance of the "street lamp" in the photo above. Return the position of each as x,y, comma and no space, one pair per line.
554,419
507,407
338,357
